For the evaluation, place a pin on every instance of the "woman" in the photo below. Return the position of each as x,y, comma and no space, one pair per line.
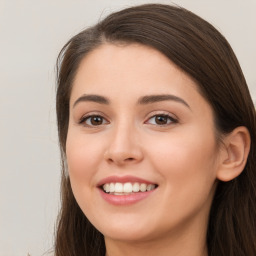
157,135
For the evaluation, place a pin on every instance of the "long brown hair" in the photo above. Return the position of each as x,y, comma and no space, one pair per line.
204,54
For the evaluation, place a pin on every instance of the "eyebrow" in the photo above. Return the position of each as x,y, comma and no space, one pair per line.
162,97
148,99
92,98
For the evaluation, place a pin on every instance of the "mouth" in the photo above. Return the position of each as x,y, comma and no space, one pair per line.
127,188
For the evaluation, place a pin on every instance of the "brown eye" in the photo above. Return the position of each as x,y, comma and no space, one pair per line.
96,120
161,120
93,120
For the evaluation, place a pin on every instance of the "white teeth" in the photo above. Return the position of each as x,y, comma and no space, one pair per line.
136,187
143,187
119,187
126,188
150,187
106,188
112,187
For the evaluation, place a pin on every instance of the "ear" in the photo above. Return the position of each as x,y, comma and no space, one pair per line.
234,154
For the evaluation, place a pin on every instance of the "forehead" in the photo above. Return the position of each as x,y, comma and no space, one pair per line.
127,67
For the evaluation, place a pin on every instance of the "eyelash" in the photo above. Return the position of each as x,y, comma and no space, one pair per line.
170,119
89,117
166,117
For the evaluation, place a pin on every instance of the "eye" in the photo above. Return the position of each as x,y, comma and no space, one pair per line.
93,120
161,119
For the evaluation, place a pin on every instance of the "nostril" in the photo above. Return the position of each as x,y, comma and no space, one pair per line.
122,157
129,159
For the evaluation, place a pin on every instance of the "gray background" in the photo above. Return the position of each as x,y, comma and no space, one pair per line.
31,34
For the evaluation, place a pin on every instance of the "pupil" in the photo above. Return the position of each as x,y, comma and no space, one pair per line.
96,120
161,119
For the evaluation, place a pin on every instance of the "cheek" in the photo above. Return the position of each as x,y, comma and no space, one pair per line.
186,162
187,167
82,159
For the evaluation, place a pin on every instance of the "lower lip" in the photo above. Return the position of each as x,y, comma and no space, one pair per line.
125,199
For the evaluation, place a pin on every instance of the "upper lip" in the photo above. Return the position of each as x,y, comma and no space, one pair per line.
123,179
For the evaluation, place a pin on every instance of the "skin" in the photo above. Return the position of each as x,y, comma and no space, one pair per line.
181,156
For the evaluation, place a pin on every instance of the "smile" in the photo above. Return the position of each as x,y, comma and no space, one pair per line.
127,188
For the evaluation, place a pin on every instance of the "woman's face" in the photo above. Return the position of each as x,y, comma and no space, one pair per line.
137,123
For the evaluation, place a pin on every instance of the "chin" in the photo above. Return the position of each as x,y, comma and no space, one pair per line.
128,235
129,230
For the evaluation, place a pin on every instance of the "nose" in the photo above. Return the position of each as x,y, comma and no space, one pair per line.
124,147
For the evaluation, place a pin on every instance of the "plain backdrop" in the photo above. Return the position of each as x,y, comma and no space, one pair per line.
31,34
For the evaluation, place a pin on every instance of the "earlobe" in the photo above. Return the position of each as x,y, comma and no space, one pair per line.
234,154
